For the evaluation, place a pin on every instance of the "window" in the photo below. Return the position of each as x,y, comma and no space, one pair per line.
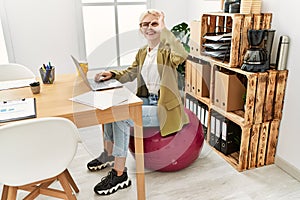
111,31
3,52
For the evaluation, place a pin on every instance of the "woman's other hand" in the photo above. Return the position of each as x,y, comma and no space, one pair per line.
103,76
160,21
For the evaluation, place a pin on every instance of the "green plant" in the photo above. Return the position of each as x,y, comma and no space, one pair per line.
182,32
34,84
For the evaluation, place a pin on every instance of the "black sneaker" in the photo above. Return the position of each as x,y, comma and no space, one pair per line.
111,183
101,162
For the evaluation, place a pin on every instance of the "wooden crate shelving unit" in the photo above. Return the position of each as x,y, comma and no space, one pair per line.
260,118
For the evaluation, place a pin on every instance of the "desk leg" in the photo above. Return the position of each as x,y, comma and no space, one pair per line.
136,116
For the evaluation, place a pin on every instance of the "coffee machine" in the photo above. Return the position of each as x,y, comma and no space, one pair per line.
257,57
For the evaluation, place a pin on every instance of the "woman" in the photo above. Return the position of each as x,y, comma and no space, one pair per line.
155,70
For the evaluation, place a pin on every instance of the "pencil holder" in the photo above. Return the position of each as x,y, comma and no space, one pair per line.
47,75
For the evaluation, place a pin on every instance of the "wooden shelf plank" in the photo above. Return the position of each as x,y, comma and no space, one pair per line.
280,92
262,144
271,87
272,142
260,96
204,100
232,159
239,120
254,136
244,148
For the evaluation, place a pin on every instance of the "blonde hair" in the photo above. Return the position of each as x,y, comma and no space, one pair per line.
153,12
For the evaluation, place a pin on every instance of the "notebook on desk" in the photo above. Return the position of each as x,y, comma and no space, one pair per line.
17,109
92,84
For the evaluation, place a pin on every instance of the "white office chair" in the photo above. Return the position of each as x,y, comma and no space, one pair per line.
36,152
14,71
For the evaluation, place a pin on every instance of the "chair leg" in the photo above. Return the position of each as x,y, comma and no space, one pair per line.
65,179
12,193
71,180
4,192
66,186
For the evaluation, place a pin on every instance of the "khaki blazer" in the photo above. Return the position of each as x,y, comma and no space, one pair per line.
170,54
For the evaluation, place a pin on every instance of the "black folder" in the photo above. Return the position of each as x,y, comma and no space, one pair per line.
219,119
204,111
212,130
231,137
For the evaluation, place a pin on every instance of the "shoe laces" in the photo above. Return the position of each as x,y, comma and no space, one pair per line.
107,179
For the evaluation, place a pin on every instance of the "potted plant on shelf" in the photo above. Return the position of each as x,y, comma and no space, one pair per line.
182,32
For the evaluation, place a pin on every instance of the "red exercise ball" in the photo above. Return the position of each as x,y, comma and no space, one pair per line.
173,152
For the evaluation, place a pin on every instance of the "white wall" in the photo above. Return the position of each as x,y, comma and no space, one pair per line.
174,10
197,7
42,31
285,23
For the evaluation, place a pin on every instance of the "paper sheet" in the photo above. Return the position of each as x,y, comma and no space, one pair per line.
103,99
4,85
221,37
217,45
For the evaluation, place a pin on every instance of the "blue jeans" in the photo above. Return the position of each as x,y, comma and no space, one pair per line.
119,132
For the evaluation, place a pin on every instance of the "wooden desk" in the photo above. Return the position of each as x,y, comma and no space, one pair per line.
53,101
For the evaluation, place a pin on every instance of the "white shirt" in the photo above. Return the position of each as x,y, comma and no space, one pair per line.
150,72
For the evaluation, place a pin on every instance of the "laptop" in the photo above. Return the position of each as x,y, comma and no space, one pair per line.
94,85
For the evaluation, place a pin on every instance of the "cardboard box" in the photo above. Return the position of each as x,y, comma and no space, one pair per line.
195,37
203,80
229,92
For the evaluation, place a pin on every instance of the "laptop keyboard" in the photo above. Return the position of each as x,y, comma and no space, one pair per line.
95,84
111,83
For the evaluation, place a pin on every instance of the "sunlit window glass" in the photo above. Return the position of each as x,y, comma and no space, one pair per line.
112,30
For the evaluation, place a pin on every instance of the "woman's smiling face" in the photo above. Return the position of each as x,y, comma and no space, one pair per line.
148,27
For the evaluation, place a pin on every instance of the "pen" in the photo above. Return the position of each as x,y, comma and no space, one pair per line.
46,77
44,67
